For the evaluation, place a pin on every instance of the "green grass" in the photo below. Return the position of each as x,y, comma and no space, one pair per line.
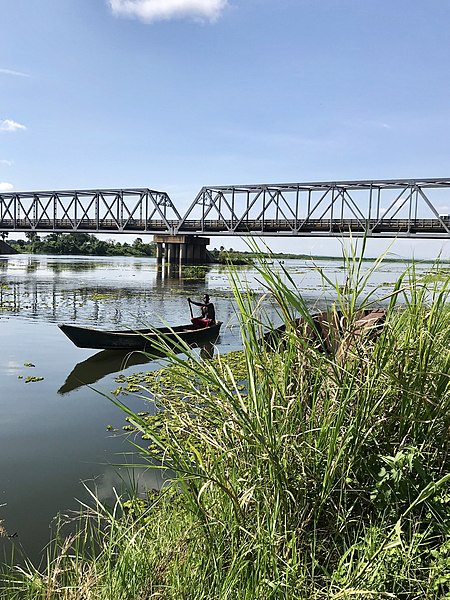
304,475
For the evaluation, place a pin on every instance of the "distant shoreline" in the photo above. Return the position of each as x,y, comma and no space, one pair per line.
81,244
289,256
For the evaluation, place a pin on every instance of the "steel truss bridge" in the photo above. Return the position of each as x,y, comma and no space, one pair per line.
384,208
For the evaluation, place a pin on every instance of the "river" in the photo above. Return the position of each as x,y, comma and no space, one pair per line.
53,430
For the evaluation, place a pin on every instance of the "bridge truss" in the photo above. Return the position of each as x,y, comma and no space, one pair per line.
382,208
397,208
100,211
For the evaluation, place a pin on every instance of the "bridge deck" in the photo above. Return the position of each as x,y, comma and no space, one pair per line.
403,208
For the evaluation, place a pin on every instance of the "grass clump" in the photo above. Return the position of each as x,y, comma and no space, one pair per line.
325,475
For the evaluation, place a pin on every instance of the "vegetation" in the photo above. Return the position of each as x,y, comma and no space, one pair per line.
194,272
225,257
81,244
304,474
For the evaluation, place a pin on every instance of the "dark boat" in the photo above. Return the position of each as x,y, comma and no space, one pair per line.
140,339
327,328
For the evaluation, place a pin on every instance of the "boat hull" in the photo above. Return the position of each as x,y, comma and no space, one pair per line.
325,329
141,339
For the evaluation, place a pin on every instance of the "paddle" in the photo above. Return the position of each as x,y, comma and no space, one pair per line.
190,308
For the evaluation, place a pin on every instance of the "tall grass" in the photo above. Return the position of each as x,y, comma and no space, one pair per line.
311,474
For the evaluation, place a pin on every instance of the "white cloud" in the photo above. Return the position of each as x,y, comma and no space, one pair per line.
16,73
9,125
159,10
5,162
5,186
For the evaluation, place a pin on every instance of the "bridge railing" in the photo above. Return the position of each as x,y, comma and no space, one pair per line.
223,227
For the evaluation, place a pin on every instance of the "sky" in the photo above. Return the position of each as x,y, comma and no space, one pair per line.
177,94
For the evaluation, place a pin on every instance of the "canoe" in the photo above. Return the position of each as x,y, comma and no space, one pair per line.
327,329
140,339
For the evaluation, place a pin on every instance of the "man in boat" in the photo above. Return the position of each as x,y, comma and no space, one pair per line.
208,316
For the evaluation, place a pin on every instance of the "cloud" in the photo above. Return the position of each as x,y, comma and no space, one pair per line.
8,163
5,186
9,125
16,73
160,10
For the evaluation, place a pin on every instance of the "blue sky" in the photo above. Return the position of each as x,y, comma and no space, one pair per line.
177,94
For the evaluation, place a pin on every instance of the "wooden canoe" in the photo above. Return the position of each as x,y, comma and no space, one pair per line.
141,339
327,329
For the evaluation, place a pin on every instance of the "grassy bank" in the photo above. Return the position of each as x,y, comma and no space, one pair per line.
295,474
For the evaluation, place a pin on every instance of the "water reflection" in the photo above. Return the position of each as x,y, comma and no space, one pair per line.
99,365
132,292
107,362
75,289
75,267
50,301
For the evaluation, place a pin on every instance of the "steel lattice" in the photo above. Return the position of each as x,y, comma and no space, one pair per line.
389,208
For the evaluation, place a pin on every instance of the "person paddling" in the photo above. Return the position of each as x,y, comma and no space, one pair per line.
208,316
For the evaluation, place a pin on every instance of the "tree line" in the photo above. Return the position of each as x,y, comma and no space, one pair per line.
89,245
81,244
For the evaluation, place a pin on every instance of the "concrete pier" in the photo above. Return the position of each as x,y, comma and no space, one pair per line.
181,249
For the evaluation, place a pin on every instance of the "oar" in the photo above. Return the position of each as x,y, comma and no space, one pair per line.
190,308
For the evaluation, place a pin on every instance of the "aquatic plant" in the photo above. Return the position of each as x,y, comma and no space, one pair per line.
194,272
33,379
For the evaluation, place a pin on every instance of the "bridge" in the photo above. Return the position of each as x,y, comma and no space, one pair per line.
417,208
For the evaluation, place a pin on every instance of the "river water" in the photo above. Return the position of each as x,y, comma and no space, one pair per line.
53,429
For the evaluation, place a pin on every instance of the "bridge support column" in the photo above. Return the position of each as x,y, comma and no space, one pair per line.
168,253
183,254
172,253
197,255
189,254
182,249
159,252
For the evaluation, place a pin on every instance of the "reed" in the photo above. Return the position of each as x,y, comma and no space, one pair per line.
312,474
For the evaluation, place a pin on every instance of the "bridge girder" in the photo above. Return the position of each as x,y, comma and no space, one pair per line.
102,210
382,208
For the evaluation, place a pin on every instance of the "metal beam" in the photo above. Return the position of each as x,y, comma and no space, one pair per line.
379,208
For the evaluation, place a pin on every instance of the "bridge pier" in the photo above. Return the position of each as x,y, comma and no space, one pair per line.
159,252
181,249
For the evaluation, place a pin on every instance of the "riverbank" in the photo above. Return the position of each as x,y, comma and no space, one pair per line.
297,475
83,244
